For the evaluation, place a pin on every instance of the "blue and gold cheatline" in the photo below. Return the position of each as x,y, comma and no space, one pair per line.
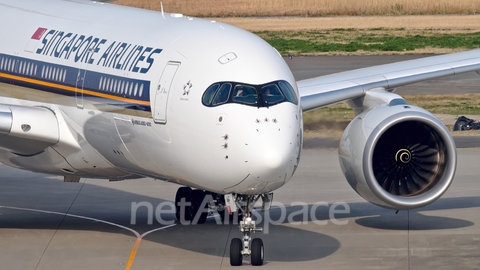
64,80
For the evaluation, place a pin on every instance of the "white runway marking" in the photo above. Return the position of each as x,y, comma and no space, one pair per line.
137,234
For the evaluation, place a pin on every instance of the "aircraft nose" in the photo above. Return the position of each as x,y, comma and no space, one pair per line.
275,159
274,150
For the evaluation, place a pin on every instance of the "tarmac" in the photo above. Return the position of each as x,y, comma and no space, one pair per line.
317,220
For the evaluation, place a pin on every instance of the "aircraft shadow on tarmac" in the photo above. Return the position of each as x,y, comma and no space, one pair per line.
112,205
416,220
41,192
369,215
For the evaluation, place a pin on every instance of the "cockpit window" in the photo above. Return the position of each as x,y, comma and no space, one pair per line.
222,94
288,91
210,93
245,94
271,94
264,95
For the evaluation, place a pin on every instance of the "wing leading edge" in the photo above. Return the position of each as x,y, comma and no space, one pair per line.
326,90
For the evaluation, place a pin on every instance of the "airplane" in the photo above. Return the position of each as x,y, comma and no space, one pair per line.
95,90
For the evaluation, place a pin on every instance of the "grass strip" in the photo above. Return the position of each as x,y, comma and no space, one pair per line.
368,40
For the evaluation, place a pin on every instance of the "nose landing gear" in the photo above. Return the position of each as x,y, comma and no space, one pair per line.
247,246
192,208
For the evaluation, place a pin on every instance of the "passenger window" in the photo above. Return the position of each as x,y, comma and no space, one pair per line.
209,94
141,90
130,91
222,94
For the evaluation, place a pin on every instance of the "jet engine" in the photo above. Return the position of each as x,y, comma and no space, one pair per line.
398,156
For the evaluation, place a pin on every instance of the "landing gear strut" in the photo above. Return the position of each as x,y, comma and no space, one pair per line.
245,246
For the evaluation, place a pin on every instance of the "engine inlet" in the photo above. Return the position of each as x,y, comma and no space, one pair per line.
408,159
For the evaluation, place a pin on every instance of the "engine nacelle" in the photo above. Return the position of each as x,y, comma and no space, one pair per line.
399,157
27,131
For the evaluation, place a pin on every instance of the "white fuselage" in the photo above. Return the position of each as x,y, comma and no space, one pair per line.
126,86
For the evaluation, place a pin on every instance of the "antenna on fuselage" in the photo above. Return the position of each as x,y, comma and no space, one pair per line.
161,8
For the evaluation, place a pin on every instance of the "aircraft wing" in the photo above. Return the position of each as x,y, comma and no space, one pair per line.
326,90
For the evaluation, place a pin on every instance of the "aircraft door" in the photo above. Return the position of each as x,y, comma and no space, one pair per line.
81,75
163,91
79,87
